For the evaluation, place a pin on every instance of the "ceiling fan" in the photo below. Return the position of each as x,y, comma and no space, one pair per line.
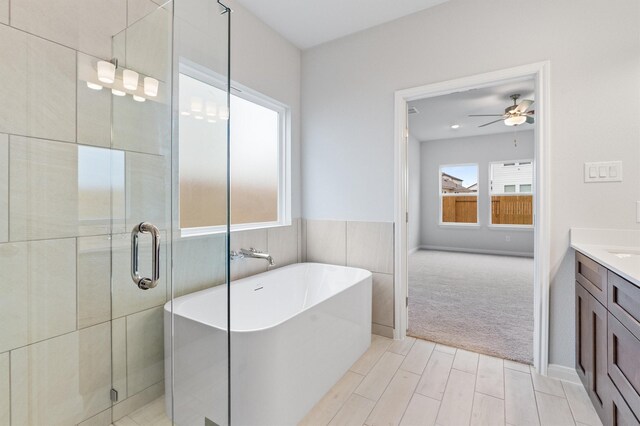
514,115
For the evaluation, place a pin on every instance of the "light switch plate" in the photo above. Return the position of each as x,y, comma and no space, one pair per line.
603,171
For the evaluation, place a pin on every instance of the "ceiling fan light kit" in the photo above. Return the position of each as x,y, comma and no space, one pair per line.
515,120
514,115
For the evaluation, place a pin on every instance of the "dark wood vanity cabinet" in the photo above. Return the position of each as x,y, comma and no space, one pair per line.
608,341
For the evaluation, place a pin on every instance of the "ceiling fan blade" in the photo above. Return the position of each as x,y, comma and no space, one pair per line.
486,115
486,124
523,106
530,112
530,119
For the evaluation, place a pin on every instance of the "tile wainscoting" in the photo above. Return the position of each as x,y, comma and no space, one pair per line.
367,245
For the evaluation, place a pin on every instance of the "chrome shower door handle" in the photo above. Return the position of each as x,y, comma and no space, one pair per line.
144,283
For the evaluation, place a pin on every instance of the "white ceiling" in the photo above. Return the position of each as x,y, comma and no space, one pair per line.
436,115
307,23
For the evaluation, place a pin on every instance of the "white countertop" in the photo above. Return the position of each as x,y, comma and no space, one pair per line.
602,245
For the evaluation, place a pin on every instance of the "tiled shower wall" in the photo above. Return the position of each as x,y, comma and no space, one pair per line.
367,245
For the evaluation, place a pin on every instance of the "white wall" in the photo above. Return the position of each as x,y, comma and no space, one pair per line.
413,230
480,150
348,87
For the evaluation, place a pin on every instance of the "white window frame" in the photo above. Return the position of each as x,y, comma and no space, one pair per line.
441,195
511,194
208,76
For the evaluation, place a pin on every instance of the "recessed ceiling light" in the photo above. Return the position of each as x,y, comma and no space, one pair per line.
455,126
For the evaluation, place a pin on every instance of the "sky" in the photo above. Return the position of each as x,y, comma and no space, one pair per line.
468,173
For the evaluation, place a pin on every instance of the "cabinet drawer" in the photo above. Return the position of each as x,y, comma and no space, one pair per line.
624,362
592,276
618,412
624,302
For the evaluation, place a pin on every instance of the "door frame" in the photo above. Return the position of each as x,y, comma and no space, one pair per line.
539,72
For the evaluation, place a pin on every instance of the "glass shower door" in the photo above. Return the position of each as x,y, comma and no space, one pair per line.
169,309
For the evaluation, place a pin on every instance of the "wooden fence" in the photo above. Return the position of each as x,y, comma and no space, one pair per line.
505,209
459,209
512,209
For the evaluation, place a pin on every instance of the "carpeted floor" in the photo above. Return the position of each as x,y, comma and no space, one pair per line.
478,302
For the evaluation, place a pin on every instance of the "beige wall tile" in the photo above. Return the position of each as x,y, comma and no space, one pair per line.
85,25
303,240
282,244
199,263
5,397
394,400
37,283
382,330
4,188
119,356
138,9
59,189
64,380
147,189
257,239
382,299
370,246
145,349
4,12
141,126
126,297
94,280
37,86
149,45
94,106
326,241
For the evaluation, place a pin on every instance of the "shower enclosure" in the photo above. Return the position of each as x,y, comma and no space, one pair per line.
98,233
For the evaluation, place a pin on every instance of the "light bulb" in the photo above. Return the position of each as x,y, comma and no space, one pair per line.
138,98
224,113
455,126
211,109
118,92
196,104
106,72
515,120
130,79
93,86
150,87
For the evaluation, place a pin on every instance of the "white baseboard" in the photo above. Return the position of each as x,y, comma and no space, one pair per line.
479,251
561,372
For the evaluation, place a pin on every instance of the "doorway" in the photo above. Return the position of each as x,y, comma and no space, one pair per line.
536,73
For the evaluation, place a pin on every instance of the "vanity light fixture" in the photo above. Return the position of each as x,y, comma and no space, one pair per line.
130,79
138,98
515,120
150,87
455,126
93,86
106,72
118,92
223,112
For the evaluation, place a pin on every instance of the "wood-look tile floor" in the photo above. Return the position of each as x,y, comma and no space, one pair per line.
414,382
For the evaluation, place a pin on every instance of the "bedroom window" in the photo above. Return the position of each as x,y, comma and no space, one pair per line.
459,194
259,170
511,190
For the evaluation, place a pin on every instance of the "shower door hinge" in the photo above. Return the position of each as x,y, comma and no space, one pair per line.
114,395
406,301
406,216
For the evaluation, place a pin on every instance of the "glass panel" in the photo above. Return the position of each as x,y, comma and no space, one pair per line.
459,193
508,181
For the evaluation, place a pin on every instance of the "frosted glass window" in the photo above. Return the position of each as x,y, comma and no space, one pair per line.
257,170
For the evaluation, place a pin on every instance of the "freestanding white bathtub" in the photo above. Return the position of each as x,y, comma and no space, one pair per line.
294,332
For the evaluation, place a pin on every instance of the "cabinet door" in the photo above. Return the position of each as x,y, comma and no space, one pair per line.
583,346
624,364
619,413
624,302
592,276
598,380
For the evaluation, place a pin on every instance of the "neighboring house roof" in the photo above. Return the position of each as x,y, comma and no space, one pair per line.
450,186
452,177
